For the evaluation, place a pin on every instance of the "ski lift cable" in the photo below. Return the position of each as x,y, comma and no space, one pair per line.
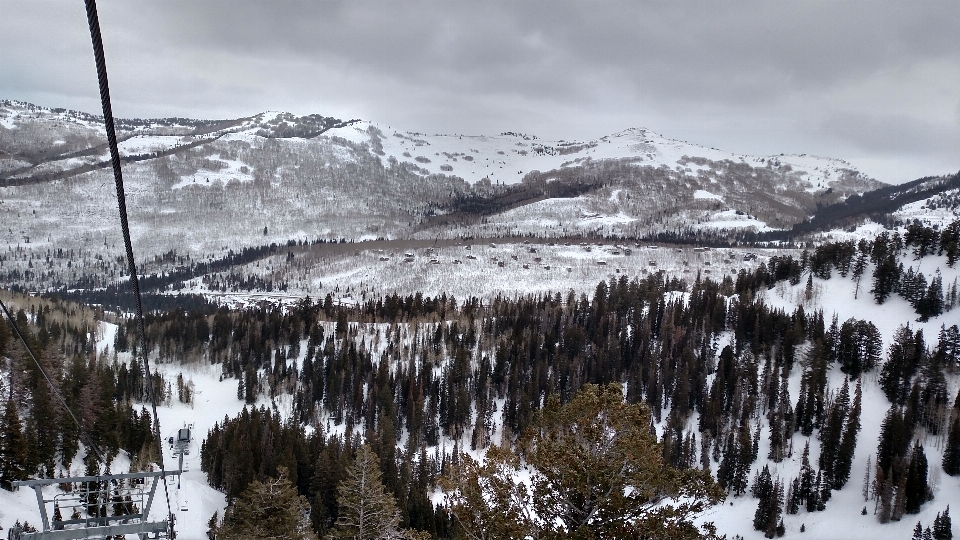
94,23
53,387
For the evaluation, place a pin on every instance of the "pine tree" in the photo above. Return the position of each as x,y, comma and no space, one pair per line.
951,453
931,304
948,346
859,266
942,526
596,471
13,448
886,275
763,490
793,497
893,439
367,510
903,358
775,520
859,347
271,509
807,492
884,496
916,488
213,526
899,499
832,431
848,442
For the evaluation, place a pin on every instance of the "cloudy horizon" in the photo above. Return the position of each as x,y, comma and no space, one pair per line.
874,83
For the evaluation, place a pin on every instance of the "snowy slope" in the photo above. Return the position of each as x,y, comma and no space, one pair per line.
842,518
216,399
506,158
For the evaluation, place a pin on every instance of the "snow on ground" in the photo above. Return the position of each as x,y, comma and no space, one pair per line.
508,157
842,518
836,296
215,399
703,194
145,144
233,171
192,499
485,270
8,121
923,211
731,219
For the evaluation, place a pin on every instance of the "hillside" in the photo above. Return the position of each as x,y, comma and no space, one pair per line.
741,371
199,189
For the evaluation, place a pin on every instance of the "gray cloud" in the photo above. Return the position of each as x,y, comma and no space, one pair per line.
845,79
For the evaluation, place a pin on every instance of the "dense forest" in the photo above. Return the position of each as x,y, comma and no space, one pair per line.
415,384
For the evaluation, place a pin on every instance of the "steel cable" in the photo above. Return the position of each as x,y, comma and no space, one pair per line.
95,37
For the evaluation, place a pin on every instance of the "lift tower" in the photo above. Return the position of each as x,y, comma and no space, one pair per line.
92,498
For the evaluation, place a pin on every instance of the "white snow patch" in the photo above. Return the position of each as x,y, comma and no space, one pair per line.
703,194
233,171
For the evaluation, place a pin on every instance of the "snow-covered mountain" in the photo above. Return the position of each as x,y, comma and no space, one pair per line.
201,188
503,158
469,216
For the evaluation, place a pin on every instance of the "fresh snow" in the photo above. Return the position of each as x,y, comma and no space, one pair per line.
508,157
835,296
7,118
703,194
231,172
145,144
729,219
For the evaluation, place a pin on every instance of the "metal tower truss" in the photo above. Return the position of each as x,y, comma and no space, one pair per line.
99,507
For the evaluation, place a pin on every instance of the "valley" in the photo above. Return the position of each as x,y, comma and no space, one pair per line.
319,289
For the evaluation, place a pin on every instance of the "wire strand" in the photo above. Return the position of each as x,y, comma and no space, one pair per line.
94,23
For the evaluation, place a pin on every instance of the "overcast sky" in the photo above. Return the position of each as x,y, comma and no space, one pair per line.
874,82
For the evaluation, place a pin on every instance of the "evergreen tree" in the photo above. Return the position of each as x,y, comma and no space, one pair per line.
213,525
859,347
951,453
859,266
917,491
762,489
848,442
793,499
931,304
807,489
271,509
13,447
886,275
367,510
770,495
903,359
948,346
913,287
832,431
596,472
893,439
884,495
775,524
942,526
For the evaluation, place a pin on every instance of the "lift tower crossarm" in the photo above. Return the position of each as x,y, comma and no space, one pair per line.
98,526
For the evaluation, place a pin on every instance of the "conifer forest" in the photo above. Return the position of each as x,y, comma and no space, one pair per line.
428,417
